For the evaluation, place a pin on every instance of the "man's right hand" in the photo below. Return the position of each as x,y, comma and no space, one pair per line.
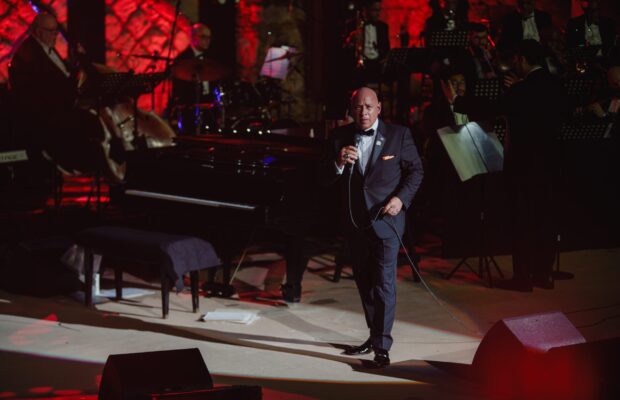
348,154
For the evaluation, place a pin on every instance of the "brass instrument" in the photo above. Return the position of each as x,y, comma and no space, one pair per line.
359,40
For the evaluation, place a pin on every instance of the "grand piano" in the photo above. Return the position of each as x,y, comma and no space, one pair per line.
226,187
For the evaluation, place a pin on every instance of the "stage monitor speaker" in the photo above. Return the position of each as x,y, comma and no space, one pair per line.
512,358
142,375
511,340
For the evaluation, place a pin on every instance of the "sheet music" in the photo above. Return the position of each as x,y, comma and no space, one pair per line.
472,150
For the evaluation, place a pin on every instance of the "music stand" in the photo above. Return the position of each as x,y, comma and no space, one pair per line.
489,88
580,90
474,152
443,39
500,129
583,55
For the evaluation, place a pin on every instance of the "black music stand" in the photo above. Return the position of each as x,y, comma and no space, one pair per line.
580,90
489,88
474,152
441,39
500,129
405,60
583,56
577,131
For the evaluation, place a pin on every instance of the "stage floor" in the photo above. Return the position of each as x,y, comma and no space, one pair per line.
56,347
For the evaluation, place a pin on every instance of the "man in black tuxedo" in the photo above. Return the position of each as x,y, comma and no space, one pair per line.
380,171
535,108
375,46
44,89
591,29
42,83
524,23
186,92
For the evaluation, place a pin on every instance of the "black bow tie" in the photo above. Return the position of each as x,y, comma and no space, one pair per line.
369,132
526,17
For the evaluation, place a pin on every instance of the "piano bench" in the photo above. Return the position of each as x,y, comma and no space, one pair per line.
173,255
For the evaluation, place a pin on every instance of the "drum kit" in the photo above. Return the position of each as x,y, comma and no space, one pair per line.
233,103
110,124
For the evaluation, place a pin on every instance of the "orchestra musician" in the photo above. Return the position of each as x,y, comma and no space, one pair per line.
45,89
41,82
184,92
591,29
526,22
447,15
369,40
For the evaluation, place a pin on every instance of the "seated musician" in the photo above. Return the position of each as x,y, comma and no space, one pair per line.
481,56
526,22
607,106
451,105
188,92
448,15
591,29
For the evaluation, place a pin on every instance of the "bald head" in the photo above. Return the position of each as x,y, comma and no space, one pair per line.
365,107
45,28
201,36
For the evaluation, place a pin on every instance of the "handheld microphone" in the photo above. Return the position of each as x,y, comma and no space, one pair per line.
358,144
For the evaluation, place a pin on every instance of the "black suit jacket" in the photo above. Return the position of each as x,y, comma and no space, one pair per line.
576,32
37,84
184,92
394,169
512,29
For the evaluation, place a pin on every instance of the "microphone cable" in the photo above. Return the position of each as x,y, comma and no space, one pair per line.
413,266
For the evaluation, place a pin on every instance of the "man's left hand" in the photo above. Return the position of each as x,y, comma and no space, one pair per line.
393,206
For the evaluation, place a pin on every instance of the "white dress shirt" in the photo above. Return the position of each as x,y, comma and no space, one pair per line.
530,30
205,84
370,42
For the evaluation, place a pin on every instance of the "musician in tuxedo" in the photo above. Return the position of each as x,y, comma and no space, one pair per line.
44,89
526,22
379,171
185,92
41,82
535,107
591,29
447,15
376,45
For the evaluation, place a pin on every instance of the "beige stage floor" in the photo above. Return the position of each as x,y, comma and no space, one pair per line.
57,347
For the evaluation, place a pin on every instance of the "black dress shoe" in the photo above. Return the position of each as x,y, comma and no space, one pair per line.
518,285
364,348
291,293
382,358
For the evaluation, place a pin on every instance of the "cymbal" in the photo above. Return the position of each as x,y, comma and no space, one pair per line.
194,69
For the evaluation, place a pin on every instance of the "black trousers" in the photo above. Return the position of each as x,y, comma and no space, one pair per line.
533,226
374,265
